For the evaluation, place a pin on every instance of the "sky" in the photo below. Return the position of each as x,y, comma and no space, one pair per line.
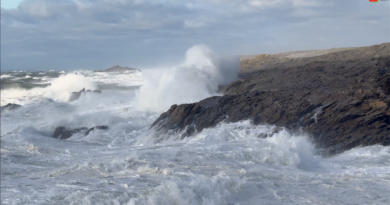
10,4
98,34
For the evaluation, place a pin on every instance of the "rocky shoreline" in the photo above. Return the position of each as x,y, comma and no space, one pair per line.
340,99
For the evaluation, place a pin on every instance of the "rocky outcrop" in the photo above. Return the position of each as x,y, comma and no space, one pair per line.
118,68
342,102
10,106
65,133
100,127
76,95
296,58
262,61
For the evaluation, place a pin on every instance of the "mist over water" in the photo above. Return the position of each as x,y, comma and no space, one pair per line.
130,164
59,88
197,78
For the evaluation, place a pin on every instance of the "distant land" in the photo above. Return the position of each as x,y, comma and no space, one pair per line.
118,68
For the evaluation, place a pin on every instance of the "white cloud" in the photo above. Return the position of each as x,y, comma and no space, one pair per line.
104,31
38,9
267,4
193,24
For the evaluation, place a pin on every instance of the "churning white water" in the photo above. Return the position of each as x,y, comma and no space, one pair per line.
129,164
198,77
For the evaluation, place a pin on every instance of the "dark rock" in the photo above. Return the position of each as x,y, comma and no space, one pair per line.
102,127
76,95
65,133
10,106
118,68
340,99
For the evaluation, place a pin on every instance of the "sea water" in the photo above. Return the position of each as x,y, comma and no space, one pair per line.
130,163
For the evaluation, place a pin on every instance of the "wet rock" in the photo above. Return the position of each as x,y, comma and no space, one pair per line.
10,106
181,116
65,133
76,95
102,127
340,99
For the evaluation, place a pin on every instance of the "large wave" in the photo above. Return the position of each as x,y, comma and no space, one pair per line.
60,89
198,77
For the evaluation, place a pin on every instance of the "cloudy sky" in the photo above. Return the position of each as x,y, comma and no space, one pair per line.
97,34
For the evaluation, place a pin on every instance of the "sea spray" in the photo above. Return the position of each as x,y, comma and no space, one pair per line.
62,87
232,163
59,89
198,77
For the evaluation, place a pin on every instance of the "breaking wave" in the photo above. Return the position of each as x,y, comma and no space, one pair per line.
59,89
198,77
232,163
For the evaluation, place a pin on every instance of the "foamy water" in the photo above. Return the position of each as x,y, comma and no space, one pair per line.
133,164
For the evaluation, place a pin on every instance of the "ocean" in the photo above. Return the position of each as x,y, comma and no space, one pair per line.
132,164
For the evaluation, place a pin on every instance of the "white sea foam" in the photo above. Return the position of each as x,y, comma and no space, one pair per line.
198,77
60,89
5,76
126,79
132,164
226,164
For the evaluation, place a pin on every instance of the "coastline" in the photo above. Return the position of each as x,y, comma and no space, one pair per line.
340,99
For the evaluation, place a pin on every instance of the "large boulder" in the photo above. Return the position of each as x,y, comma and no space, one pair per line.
65,133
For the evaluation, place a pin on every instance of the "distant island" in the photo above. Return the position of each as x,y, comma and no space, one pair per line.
118,68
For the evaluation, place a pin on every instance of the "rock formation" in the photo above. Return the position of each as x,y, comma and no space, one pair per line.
76,95
65,133
101,127
298,58
340,99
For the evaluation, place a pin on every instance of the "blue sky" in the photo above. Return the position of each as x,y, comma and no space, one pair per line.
10,4
97,34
